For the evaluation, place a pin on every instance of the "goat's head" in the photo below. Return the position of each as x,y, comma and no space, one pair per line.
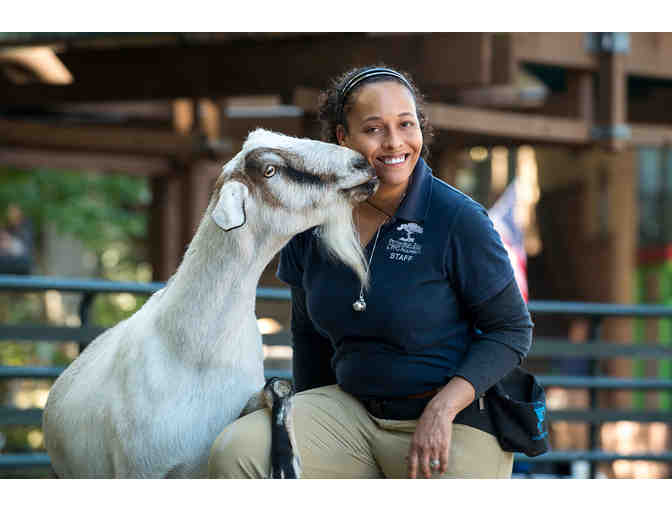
283,185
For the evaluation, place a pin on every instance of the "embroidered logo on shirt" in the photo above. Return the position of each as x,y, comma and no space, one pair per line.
410,229
405,248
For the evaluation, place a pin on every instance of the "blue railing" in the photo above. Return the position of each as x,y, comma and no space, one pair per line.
594,351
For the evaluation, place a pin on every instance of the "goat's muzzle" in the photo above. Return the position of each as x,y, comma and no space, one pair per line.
362,191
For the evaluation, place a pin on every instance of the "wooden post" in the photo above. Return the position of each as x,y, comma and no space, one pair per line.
612,130
580,87
196,189
166,226
622,226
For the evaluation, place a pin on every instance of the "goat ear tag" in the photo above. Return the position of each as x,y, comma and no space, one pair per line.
229,212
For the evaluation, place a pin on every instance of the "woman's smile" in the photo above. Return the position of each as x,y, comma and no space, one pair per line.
393,160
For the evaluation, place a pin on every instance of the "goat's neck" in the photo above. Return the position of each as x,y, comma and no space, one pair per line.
213,291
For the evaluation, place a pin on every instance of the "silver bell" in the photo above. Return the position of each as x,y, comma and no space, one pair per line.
359,305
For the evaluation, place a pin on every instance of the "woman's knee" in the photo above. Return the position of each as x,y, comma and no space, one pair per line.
242,449
477,454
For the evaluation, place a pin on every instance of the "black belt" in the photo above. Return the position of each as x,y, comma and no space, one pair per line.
410,408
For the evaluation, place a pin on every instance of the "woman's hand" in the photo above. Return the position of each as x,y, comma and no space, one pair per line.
433,433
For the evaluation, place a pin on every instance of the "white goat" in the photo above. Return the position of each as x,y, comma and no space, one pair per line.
149,396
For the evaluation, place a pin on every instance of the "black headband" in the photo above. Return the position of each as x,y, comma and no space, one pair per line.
359,77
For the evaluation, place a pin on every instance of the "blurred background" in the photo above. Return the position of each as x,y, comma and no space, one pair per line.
110,144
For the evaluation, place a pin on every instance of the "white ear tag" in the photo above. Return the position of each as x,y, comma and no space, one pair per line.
229,212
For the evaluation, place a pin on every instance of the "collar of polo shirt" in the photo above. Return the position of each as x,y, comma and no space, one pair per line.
415,205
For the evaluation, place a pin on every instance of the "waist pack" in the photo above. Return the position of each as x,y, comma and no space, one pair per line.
517,406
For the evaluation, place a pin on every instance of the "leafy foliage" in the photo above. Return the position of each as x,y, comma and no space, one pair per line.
96,208
108,214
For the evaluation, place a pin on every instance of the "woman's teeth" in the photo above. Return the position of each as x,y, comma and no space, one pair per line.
394,161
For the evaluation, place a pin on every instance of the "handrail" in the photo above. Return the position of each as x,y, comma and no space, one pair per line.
42,283
593,350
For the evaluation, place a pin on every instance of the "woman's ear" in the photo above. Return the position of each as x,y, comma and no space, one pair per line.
340,134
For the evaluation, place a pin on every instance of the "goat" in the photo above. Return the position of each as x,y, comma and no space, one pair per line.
148,397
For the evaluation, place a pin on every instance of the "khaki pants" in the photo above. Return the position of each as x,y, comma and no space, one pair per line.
337,438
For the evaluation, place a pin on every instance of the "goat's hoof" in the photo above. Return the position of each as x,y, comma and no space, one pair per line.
279,388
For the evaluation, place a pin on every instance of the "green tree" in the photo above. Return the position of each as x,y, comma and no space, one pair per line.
96,208
107,212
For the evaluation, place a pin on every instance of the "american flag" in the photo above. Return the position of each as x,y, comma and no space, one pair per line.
503,217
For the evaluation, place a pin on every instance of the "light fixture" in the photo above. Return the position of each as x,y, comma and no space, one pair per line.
38,64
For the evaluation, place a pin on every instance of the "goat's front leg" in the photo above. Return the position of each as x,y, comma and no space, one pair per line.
285,462
276,395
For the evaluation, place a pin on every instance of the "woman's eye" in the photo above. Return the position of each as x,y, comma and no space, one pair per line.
371,130
407,123
269,171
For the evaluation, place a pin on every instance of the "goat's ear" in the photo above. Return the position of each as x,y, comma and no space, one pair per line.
229,212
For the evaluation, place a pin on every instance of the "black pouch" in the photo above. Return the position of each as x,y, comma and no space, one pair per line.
517,406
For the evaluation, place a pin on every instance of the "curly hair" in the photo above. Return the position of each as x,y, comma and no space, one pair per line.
332,113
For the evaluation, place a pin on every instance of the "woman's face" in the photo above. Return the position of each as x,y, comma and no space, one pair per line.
384,127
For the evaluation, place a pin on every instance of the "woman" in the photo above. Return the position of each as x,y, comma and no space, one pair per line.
390,377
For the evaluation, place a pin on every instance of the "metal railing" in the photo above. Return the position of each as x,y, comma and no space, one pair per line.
594,351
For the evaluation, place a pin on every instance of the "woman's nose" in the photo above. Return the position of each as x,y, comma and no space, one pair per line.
392,140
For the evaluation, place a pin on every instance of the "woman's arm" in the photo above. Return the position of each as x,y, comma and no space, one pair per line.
504,338
311,362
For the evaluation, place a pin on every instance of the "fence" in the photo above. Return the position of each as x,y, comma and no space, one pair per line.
594,351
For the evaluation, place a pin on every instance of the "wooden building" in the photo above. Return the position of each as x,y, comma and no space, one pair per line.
595,108
165,106
174,107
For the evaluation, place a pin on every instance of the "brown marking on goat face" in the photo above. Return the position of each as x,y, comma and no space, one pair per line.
252,174
253,185
255,165
292,163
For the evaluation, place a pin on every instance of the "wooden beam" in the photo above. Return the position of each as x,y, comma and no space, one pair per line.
650,54
246,67
565,49
160,111
502,96
87,138
87,162
483,121
527,128
650,135
514,126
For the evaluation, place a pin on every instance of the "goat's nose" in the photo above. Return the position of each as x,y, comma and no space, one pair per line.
360,163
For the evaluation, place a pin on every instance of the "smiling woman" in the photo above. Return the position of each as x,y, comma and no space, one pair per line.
391,376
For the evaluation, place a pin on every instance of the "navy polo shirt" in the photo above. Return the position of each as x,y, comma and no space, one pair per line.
434,261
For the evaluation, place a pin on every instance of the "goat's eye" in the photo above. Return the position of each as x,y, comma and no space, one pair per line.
269,171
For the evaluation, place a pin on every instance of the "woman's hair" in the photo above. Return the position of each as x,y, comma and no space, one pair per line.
332,112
